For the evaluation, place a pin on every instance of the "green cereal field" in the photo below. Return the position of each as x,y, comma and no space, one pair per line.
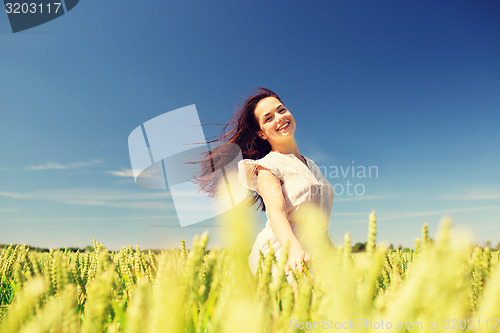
444,284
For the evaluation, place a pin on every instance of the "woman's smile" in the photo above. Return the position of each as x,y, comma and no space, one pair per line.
284,126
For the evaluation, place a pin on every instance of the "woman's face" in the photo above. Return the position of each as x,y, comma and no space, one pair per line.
275,121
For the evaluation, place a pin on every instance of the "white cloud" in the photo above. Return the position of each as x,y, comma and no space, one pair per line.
48,166
100,218
8,210
121,173
151,173
351,214
59,166
11,195
367,197
473,195
151,200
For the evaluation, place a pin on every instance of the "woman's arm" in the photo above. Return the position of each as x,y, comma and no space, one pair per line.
270,191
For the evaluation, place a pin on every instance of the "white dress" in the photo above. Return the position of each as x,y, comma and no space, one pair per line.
299,184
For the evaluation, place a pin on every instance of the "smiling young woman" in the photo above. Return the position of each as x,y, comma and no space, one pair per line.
281,179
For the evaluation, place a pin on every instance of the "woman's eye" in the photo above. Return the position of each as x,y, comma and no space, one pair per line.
282,110
267,119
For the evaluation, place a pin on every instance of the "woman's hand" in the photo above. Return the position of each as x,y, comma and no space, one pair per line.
296,257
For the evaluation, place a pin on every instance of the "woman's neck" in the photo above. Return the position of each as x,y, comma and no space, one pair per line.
287,148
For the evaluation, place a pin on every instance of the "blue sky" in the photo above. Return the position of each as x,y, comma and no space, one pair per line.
411,87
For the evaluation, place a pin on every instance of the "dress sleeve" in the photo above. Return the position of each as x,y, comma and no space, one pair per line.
247,172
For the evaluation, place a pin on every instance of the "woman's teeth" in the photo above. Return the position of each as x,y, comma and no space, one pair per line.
284,126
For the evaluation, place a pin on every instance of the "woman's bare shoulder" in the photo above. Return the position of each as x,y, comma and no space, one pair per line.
266,175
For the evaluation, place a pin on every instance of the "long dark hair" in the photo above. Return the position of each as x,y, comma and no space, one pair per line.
243,133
